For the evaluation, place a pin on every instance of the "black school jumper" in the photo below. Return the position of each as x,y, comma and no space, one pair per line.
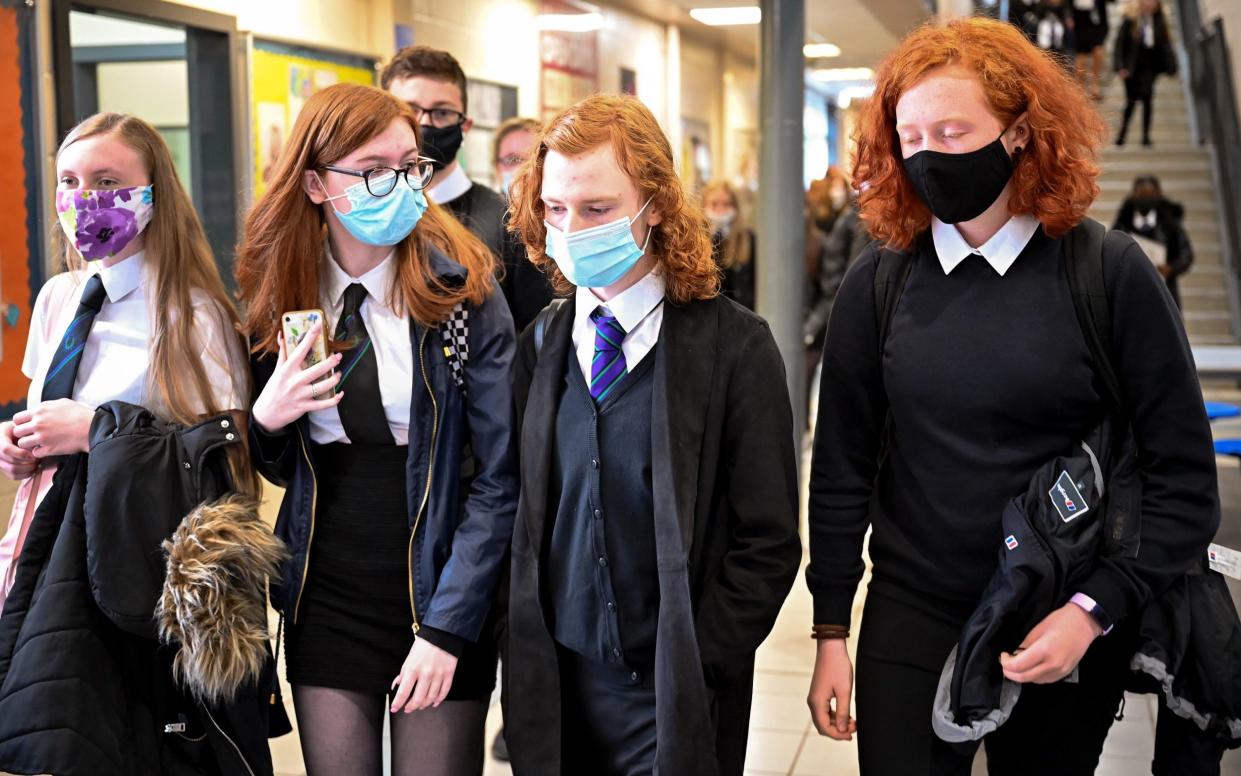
986,378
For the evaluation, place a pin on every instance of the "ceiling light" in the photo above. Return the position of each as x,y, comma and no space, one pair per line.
851,93
723,17
821,50
843,74
569,22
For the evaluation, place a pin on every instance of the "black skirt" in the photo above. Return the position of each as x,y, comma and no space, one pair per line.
354,627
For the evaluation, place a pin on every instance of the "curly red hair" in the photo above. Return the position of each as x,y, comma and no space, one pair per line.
680,243
1054,178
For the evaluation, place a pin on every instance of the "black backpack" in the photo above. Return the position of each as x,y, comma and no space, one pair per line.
1084,273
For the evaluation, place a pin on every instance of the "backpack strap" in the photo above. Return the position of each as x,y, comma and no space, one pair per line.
540,323
455,332
891,271
1083,264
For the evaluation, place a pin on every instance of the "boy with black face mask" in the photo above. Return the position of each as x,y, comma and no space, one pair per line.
1148,215
434,86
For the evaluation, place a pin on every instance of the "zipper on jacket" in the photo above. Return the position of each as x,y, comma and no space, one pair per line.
426,492
314,500
236,748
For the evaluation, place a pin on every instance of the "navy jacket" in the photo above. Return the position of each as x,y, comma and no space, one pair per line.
461,524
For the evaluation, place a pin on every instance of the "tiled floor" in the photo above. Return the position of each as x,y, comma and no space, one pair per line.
782,741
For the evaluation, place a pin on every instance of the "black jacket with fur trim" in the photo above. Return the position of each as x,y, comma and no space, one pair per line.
86,687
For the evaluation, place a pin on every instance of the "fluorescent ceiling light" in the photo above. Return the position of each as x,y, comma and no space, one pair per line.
851,93
843,74
569,22
821,50
723,17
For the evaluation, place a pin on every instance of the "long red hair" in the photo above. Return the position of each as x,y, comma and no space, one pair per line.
680,243
1054,177
279,256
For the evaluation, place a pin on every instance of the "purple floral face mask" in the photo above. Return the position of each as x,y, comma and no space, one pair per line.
101,222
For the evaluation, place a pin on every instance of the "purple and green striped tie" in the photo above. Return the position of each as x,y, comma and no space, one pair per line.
608,366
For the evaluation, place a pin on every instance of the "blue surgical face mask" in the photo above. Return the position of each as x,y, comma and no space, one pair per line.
380,220
599,256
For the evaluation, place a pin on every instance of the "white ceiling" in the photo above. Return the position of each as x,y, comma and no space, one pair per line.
865,30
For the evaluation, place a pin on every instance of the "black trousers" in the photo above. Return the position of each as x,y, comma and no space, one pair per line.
1055,729
608,719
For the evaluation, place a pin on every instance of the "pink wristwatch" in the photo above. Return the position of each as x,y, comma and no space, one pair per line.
1093,608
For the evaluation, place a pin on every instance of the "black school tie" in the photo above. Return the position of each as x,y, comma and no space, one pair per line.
361,409
64,369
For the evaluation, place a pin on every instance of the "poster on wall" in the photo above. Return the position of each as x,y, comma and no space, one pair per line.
695,152
490,104
283,78
569,63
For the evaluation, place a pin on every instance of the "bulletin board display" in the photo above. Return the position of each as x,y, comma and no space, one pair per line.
489,105
569,63
20,277
283,77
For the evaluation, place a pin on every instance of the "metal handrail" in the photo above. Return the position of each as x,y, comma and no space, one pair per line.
1214,98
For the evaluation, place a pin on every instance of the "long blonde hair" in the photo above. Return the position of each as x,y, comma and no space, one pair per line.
182,264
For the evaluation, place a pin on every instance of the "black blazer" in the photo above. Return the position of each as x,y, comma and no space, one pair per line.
725,495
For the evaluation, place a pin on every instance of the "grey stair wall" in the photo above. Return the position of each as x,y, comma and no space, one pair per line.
1184,170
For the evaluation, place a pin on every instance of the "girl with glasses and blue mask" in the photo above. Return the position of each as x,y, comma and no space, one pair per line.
396,452
657,532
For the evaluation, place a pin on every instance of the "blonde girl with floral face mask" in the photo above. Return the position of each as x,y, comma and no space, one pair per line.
140,315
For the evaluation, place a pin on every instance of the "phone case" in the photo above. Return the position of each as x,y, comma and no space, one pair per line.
296,324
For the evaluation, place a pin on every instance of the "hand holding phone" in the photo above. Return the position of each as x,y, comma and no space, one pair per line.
294,388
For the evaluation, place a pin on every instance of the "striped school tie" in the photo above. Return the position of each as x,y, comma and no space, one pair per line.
608,366
64,368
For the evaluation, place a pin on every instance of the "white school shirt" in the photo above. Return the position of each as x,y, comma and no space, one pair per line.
390,341
639,311
114,364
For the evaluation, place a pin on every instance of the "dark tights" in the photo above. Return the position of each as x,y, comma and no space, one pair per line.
342,735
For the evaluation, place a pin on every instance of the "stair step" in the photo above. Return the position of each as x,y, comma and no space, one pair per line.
1133,165
1211,339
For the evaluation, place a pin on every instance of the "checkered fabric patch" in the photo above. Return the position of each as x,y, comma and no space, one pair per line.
455,332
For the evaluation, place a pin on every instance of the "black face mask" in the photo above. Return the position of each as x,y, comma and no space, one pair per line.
1145,205
441,144
960,187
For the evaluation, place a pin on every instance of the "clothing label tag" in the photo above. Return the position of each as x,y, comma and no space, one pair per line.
1067,499
1225,560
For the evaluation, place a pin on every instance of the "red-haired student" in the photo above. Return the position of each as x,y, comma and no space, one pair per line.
656,535
977,156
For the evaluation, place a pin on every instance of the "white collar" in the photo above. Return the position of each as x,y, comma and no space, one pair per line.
452,186
1147,221
377,282
1000,251
120,280
630,307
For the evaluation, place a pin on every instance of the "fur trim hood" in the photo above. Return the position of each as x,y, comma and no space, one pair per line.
214,601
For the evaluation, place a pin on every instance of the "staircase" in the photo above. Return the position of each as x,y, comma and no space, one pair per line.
1184,172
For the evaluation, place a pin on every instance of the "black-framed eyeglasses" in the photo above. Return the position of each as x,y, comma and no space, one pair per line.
380,181
441,118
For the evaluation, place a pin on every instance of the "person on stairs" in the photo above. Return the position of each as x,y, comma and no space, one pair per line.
1143,51
1157,223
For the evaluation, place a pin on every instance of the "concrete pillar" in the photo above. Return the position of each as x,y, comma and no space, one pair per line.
781,200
